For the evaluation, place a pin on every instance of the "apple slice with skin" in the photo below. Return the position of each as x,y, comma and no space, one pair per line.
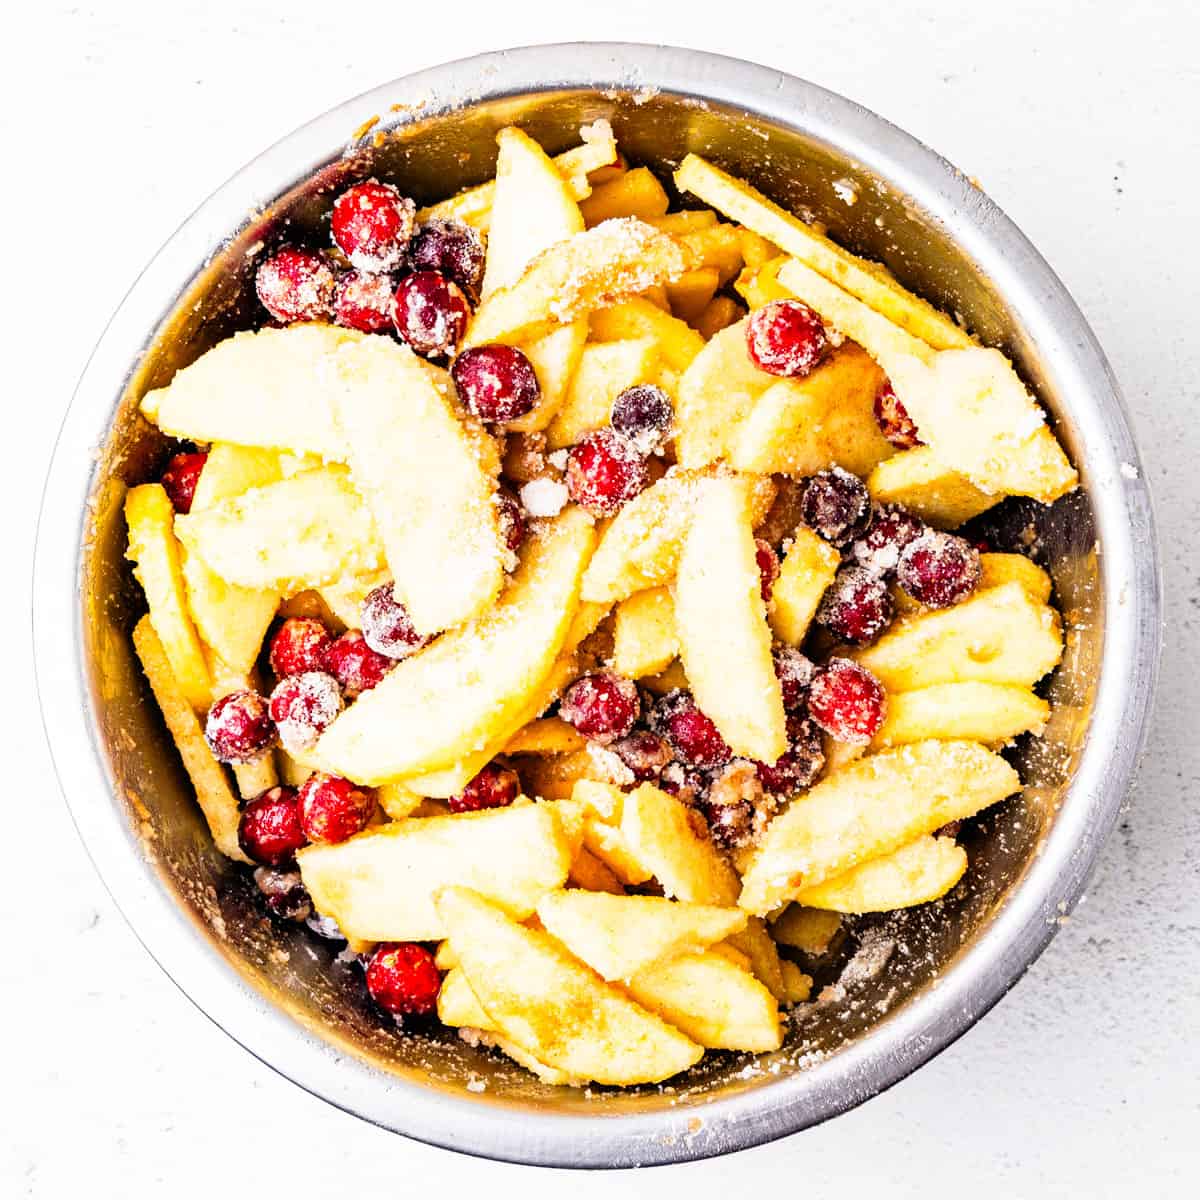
445,702
432,494
552,1006
721,619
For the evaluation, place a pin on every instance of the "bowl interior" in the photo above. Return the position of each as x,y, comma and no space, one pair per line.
893,960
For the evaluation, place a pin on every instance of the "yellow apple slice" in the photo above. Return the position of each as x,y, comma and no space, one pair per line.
870,809
719,313
812,931
997,636
796,985
712,1000
469,686
231,470
692,292
155,554
722,620
677,343
605,370
869,282
759,286
999,569
420,472
915,874
232,620
299,533
636,193
343,598
555,358
808,568
717,246
992,713
380,884
917,480
268,388
545,1001
547,735
213,794
599,267
645,639
588,872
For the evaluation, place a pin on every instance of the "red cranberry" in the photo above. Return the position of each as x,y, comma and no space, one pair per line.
403,979
387,626
894,422
430,313
939,569
295,285
303,707
239,728
857,608
451,247
644,415
605,471
800,764
603,707
644,753
836,505
284,892
795,672
496,382
892,528
494,787
847,701
364,302
354,664
300,644
180,477
685,783
269,830
785,337
730,825
333,809
768,566
372,224
512,519
693,735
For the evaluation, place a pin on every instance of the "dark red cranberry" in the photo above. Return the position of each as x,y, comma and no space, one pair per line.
693,735
836,505
644,753
684,782
364,302
403,979
603,707
284,892
768,566
303,707
894,422
795,672
939,569
300,644
269,830
730,825
451,247
800,764
512,519
296,285
430,313
604,472
858,607
496,382
387,626
239,728
180,477
333,809
644,415
847,701
785,337
354,664
494,787
372,224
892,528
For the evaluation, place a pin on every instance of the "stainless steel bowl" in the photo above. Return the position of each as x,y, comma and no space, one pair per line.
303,1014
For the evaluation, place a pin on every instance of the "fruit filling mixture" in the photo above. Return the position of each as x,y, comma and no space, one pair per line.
557,598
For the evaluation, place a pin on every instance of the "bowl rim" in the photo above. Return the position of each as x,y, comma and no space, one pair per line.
907,1037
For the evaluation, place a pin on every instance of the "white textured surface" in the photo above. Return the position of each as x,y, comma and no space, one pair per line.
1079,118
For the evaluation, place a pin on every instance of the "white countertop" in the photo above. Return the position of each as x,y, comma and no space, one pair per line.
119,117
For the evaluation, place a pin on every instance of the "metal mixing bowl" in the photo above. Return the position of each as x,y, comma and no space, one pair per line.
280,993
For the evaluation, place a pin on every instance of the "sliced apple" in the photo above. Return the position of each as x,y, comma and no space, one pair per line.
470,686
232,620
812,931
645,639
992,713
605,370
299,533
868,281
919,872
869,809
380,884
265,388
636,193
155,554
555,358
719,313
231,470
807,570
536,994
588,872
692,292
796,985
418,467
547,735
677,344
343,598
918,481
998,569
722,620
760,285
